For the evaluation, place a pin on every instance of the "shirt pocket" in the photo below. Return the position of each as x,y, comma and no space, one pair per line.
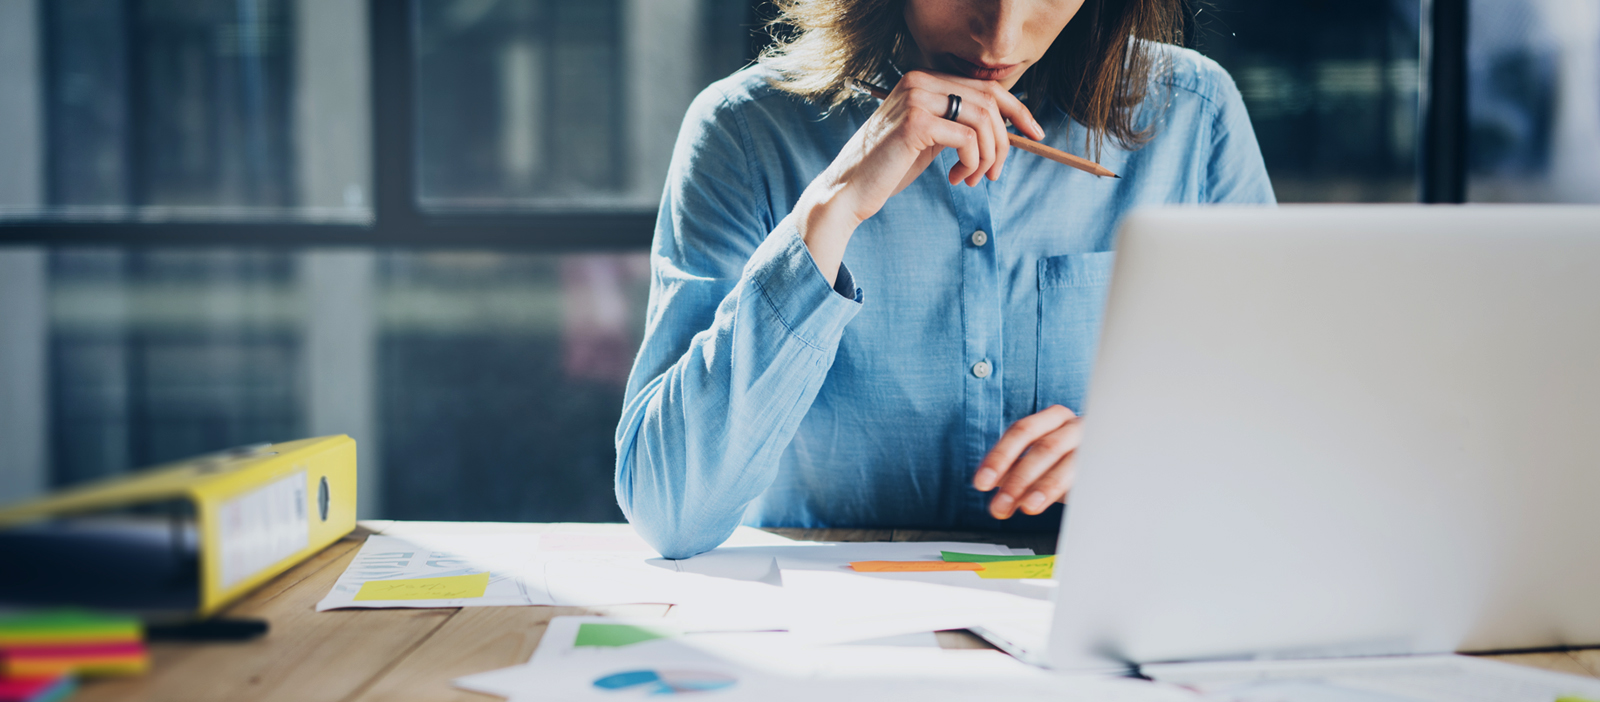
1072,300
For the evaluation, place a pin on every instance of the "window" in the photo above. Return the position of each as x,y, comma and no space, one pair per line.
423,222
499,381
156,110
1534,101
525,104
551,105
155,355
480,383
1331,89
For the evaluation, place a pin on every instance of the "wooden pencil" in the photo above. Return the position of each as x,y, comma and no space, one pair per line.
1021,142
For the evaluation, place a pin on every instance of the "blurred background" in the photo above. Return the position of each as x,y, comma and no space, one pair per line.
423,223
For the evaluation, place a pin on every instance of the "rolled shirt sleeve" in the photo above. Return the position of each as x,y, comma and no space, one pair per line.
740,333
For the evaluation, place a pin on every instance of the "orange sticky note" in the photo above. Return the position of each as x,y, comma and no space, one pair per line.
912,566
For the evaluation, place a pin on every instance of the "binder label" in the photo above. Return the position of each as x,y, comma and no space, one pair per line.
262,527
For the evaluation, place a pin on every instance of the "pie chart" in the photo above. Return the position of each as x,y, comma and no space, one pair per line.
666,682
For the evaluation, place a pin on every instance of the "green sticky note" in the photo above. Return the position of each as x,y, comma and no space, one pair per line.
1035,568
454,587
951,556
1573,698
68,626
618,635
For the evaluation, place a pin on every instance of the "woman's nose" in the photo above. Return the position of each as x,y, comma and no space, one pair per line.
998,28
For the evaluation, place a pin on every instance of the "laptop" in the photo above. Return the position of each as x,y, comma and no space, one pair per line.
1337,431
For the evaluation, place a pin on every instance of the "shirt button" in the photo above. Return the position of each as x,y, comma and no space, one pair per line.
980,237
981,369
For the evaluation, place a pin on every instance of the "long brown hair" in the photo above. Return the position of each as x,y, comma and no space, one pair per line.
1098,69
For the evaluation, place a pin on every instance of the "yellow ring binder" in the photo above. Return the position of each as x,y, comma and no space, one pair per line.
256,512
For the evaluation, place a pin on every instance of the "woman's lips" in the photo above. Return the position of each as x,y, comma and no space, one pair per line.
980,71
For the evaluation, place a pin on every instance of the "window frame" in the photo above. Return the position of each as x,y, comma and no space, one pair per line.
398,220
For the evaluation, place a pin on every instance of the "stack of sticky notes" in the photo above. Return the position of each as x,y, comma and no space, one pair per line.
37,689
41,654
1006,567
986,566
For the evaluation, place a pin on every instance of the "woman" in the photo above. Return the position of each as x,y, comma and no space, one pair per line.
851,302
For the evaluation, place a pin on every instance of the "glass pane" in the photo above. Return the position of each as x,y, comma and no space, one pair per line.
159,355
1331,88
212,110
558,105
501,379
481,386
1534,101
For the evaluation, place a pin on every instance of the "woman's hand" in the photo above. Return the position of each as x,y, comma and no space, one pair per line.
1031,463
897,143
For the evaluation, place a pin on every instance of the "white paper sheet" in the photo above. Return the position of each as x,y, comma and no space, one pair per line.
567,568
506,682
825,601
1389,679
778,666
750,562
732,584
1024,633
558,644
924,639
738,582
836,607
503,556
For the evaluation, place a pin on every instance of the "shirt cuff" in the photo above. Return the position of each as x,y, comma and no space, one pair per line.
783,271
845,284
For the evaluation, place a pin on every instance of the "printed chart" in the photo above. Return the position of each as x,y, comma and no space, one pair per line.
666,682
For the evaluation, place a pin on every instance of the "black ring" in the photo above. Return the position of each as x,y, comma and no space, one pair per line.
954,110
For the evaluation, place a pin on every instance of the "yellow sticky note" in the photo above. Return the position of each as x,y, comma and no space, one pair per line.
1014,570
454,587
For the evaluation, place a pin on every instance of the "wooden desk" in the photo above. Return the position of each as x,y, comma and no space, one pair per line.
412,654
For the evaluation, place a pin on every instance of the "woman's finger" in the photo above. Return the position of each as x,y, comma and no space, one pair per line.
1014,441
985,116
942,132
983,125
1002,140
1005,137
1011,108
1043,454
1007,104
1051,487
977,112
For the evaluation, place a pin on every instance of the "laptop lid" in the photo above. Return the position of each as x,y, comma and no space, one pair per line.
1337,430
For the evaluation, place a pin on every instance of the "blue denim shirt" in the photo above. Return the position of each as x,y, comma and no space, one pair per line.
764,396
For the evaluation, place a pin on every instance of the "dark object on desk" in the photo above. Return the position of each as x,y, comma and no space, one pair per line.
208,630
148,566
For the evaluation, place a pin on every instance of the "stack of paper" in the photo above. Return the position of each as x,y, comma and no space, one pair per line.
492,570
808,588
772,619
